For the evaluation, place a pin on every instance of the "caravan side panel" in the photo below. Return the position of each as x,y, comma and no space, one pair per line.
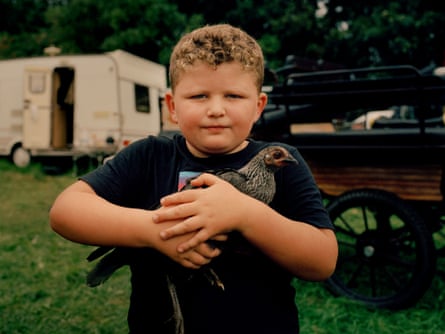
11,105
97,120
142,84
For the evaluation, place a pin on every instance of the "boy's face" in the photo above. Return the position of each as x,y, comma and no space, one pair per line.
216,108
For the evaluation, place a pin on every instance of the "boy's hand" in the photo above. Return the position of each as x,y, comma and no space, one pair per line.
193,258
216,209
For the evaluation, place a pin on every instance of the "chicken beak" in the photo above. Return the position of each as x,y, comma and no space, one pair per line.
289,160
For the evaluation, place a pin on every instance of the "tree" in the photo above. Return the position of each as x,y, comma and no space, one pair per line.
385,33
147,28
345,32
22,27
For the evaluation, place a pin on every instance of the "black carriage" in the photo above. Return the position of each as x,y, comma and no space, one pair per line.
375,141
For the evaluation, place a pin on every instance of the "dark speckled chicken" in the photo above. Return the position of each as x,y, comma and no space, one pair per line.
256,178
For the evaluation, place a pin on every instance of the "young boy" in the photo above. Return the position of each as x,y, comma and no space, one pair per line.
216,74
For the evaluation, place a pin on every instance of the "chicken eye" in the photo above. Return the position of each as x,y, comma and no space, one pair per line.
277,155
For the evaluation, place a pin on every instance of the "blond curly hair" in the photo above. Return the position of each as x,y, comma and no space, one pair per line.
215,45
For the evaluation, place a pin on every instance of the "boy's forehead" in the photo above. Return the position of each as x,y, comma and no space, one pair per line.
202,65
199,71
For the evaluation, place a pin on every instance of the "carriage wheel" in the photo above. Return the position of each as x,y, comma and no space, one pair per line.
386,252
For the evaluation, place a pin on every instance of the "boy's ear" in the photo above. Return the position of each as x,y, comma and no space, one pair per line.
262,101
169,102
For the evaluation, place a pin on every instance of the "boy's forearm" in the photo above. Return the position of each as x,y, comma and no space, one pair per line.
78,214
307,251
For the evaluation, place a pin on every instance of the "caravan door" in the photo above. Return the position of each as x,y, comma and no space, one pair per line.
37,108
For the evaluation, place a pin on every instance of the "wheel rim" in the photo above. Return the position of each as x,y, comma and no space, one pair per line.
21,157
381,256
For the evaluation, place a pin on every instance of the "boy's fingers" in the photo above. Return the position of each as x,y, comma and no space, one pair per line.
176,198
220,237
178,212
197,239
187,226
205,179
189,264
199,256
207,250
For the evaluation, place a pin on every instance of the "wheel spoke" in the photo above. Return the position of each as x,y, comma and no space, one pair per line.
349,232
349,229
354,276
345,243
346,259
365,217
392,278
397,260
373,280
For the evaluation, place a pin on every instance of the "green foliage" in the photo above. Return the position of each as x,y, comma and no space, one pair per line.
23,27
144,27
350,33
387,32
43,291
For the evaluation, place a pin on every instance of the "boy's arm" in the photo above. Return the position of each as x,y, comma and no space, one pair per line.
306,251
80,215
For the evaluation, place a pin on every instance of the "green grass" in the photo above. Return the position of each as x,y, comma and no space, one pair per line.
42,277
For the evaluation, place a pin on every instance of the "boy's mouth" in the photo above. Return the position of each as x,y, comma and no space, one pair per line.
215,127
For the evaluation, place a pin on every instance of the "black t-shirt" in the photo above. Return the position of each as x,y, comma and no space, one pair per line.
258,297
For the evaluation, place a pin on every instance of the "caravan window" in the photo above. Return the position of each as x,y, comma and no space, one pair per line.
142,98
37,83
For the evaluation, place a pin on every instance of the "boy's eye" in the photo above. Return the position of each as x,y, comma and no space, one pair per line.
198,96
234,96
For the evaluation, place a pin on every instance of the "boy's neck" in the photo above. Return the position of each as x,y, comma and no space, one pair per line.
201,154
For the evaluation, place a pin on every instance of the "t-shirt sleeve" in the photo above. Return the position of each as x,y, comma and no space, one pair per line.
138,176
119,179
298,197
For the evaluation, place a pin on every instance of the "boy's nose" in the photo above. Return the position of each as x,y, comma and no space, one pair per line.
216,110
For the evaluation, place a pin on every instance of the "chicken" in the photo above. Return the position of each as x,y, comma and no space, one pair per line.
255,179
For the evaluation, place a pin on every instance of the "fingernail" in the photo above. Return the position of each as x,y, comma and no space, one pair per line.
163,235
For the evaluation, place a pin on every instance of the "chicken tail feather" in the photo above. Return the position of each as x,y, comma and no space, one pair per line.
105,268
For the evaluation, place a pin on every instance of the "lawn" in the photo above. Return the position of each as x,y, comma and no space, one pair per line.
42,278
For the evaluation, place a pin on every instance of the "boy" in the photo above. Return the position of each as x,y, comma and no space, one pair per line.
216,74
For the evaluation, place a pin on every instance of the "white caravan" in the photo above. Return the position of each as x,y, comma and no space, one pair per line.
75,105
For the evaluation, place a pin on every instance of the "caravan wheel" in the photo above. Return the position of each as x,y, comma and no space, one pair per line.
21,157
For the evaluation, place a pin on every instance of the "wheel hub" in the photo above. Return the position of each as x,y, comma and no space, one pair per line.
368,251
368,246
